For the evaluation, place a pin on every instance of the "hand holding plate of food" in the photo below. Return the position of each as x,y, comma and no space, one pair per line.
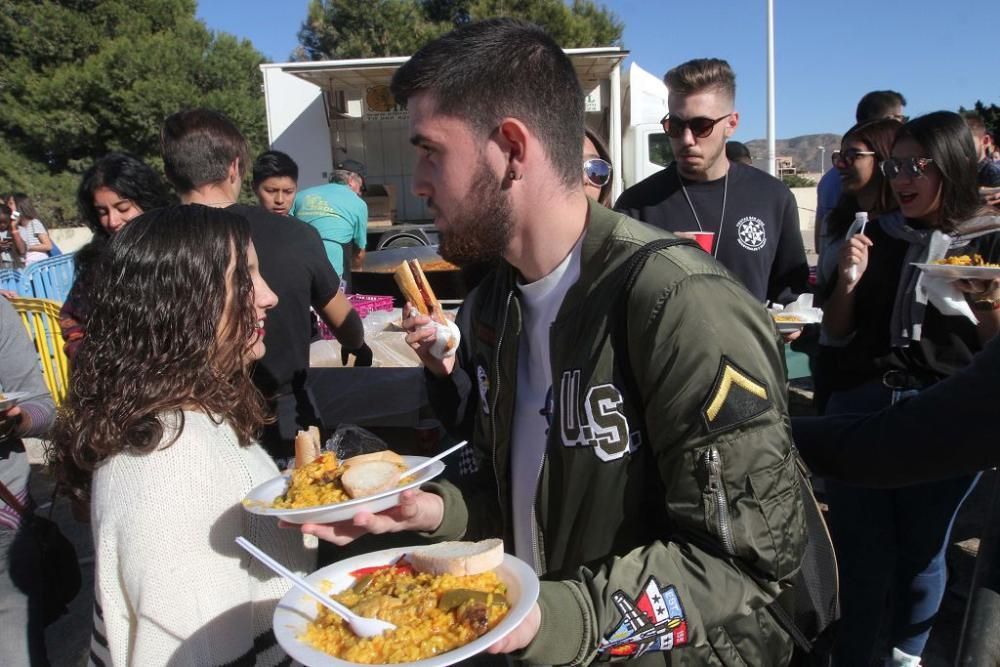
324,489
448,601
794,316
961,267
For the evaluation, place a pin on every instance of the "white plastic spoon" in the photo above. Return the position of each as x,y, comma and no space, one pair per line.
360,625
420,466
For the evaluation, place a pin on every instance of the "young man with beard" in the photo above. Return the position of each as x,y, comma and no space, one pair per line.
205,158
660,478
753,215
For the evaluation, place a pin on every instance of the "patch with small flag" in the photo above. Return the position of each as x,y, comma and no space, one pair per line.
736,398
655,621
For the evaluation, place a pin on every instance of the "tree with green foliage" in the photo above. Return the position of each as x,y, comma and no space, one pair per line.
85,77
337,29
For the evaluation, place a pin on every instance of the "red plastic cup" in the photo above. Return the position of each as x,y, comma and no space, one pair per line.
705,240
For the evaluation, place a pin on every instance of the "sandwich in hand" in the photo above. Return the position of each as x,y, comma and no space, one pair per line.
417,290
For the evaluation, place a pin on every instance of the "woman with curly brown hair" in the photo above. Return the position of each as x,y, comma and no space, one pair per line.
158,436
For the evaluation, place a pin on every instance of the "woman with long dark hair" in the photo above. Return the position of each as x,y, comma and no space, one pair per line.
863,187
112,192
891,543
158,434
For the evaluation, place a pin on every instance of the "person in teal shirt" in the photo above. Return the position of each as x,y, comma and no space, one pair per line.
340,215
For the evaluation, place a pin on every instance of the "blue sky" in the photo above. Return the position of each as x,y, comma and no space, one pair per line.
940,55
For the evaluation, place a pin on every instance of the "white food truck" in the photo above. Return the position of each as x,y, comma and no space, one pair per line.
328,112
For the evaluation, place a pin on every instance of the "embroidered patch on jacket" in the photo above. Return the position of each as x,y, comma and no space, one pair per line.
483,380
597,421
736,397
655,621
488,335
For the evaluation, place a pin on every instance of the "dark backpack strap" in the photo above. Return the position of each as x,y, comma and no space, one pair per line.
816,580
619,329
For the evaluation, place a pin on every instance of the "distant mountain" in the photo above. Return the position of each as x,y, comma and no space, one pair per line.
803,150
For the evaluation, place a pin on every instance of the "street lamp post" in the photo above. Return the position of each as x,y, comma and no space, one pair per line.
822,160
772,167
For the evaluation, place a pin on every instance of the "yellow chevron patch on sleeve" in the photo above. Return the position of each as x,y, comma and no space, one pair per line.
736,397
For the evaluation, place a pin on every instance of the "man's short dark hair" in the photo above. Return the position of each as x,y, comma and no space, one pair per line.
975,122
738,152
274,164
486,71
878,104
198,145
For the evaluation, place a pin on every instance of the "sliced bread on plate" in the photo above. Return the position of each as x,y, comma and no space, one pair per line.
370,477
458,558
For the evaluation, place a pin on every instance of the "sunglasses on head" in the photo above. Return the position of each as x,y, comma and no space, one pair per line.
848,157
914,167
597,172
700,126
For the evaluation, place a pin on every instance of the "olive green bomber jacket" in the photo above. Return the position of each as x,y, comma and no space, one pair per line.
667,521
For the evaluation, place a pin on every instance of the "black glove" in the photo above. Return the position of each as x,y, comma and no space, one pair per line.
362,355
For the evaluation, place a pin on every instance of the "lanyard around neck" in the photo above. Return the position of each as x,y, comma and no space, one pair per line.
725,193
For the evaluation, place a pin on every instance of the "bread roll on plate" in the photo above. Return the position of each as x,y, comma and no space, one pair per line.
458,558
370,477
307,446
384,455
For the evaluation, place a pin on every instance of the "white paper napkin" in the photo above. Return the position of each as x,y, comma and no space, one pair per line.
946,297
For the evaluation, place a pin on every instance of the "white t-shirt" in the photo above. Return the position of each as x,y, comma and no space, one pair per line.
29,234
540,302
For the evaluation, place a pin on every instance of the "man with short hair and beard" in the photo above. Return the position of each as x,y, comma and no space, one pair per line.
753,215
622,477
205,159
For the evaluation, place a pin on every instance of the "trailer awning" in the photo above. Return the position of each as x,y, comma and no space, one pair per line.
592,66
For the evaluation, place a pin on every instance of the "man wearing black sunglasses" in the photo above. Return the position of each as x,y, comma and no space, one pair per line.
753,216
872,106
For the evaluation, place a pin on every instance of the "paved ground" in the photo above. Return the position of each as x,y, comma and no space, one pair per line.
68,639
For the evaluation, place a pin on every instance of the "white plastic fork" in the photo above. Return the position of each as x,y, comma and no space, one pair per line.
362,626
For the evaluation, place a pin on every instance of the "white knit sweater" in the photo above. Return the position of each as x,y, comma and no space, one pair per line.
173,586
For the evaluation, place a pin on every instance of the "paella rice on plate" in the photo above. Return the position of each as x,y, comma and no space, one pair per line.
432,614
320,483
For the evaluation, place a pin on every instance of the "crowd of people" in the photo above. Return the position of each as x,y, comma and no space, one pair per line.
622,386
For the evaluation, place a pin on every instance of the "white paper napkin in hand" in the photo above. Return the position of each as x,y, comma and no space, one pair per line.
440,347
946,297
442,333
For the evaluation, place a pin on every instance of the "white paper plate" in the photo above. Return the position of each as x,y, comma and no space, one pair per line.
12,398
259,500
958,272
295,610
